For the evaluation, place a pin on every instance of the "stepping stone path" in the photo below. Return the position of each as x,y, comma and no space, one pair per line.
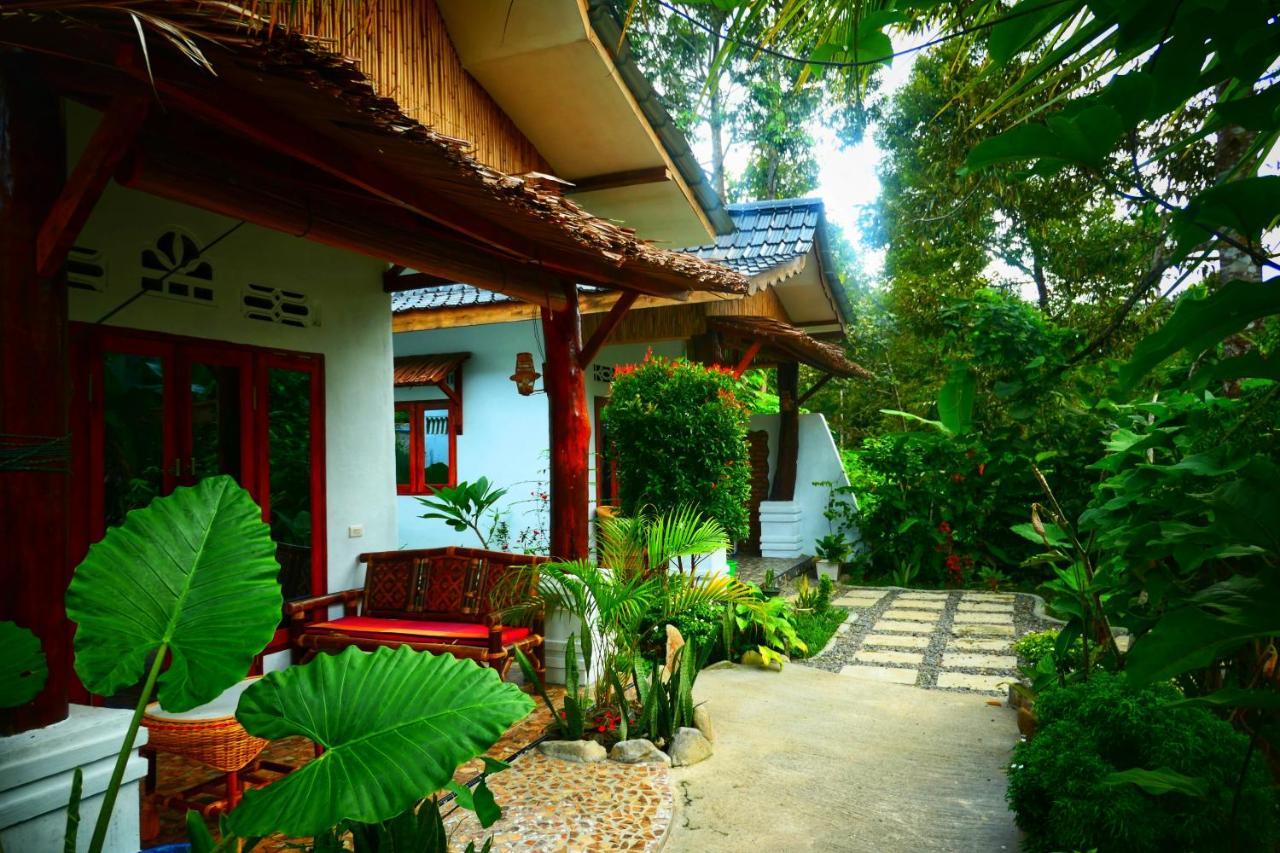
941,640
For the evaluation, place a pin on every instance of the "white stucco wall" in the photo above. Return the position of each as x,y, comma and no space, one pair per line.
505,436
818,461
353,334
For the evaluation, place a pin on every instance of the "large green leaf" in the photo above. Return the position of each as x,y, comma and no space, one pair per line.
1158,782
1198,324
395,725
955,401
23,669
1215,621
192,574
1246,207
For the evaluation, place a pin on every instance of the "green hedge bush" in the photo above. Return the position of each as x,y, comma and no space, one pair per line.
1060,790
679,436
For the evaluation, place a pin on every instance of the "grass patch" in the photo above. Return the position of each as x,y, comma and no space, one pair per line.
816,628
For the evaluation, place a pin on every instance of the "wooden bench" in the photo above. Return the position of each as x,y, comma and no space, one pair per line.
436,600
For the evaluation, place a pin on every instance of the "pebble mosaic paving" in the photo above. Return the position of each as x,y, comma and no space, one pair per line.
939,640
548,805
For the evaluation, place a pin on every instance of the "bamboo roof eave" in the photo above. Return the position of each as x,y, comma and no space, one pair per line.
287,92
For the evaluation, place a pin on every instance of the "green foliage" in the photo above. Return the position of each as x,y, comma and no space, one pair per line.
678,434
1035,647
364,708
769,629
466,506
23,671
1113,767
814,629
666,699
151,588
833,548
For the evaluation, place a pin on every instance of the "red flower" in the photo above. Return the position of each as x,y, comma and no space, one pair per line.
944,527
957,478
982,468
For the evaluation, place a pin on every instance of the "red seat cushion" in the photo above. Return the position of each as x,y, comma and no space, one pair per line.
415,631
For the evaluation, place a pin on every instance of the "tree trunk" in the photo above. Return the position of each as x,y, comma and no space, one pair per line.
33,384
784,473
570,429
716,119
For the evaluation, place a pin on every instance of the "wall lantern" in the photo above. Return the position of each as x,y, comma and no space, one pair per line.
525,375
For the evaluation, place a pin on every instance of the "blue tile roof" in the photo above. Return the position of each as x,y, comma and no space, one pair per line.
767,234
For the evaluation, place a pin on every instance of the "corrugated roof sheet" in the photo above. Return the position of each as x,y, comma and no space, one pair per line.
427,369
769,234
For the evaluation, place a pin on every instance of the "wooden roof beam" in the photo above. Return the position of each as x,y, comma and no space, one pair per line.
115,135
747,357
601,335
617,180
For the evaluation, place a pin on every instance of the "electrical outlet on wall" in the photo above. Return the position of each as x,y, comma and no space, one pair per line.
355,531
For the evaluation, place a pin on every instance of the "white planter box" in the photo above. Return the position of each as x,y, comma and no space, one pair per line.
35,781
827,569
703,565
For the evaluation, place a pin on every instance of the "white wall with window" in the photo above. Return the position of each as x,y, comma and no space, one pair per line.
504,436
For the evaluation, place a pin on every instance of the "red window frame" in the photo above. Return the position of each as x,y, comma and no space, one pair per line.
90,343
417,410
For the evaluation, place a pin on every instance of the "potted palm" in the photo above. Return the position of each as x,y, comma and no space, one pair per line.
832,550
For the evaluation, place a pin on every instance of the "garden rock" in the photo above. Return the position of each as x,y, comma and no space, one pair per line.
638,751
702,722
689,747
578,751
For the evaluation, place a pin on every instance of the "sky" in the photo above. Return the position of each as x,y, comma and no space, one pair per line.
847,179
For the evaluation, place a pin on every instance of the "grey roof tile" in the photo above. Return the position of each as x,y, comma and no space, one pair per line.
768,233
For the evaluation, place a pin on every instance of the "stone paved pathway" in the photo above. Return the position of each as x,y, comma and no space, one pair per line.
958,640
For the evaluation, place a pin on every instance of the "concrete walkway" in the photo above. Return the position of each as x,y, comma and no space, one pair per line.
812,760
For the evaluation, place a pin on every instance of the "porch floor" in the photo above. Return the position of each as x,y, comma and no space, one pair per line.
752,567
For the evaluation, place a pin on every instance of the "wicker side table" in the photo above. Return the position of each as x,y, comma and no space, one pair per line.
210,735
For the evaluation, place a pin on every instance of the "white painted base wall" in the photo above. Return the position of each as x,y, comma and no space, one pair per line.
35,782
782,529
790,528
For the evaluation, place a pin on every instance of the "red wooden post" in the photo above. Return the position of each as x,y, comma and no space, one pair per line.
570,428
784,473
33,382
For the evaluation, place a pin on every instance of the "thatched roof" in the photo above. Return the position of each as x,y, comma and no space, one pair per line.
287,92
782,342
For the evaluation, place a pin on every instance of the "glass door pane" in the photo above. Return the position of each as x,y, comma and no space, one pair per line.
133,433
216,422
289,475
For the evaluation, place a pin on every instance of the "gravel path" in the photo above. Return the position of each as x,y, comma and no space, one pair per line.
936,640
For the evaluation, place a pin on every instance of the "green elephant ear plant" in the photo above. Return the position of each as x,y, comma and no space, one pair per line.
191,581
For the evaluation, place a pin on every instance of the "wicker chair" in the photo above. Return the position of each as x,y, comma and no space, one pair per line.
437,600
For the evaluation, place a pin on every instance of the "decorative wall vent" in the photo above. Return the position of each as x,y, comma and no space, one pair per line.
86,269
602,373
274,305
174,268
